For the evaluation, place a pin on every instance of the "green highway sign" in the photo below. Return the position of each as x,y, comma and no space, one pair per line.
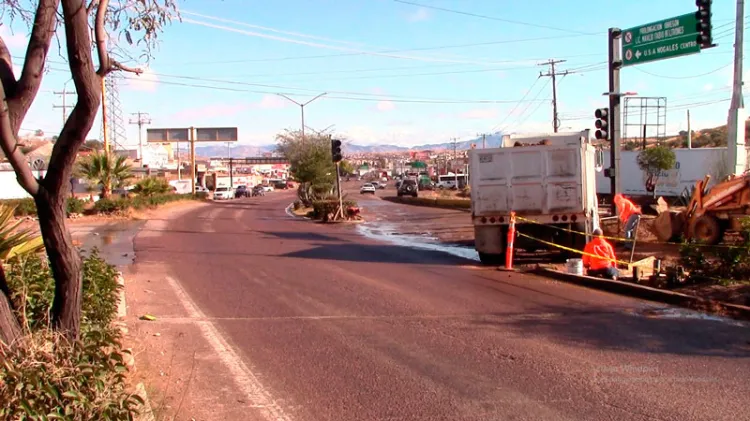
673,37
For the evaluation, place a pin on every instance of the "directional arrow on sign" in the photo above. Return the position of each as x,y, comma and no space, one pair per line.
638,54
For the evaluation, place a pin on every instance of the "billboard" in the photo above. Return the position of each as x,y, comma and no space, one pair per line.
216,134
167,135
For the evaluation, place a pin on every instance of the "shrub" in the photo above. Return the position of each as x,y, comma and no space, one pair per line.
107,205
152,185
322,208
24,207
465,192
718,264
74,205
44,376
297,204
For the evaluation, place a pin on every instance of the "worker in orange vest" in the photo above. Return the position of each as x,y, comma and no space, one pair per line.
630,215
599,257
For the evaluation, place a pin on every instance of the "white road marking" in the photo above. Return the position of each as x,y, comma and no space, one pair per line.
257,395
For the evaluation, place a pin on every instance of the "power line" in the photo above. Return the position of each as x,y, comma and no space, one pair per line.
520,120
528,91
64,93
477,15
686,77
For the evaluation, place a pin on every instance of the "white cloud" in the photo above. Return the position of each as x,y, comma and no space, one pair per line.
144,82
708,87
480,114
421,14
14,41
271,102
385,106
17,70
209,111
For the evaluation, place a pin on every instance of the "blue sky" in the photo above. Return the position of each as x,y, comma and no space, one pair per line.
390,72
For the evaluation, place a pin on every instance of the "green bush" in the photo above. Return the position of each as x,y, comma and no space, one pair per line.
74,205
24,207
152,185
44,376
718,264
322,208
107,206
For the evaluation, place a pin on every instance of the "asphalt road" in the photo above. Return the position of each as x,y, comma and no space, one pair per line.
338,326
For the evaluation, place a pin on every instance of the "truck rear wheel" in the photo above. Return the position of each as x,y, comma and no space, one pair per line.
491,259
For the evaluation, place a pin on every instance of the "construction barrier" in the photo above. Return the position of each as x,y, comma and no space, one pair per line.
509,246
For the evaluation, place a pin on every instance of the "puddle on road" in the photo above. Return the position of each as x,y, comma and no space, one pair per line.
114,241
681,313
425,241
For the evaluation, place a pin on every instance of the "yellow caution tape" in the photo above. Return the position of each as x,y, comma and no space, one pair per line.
582,253
628,240
619,262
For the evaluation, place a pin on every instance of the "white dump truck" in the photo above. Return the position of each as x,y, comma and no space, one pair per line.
546,178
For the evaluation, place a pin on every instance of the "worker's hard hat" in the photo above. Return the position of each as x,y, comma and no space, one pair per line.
597,231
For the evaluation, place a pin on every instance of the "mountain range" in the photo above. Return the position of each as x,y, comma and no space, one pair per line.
241,150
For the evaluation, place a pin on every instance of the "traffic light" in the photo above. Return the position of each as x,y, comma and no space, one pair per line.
602,124
336,150
703,25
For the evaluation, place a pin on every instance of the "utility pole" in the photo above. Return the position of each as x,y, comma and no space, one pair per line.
551,73
140,119
455,159
737,114
302,108
689,133
192,158
484,140
615,63
64,93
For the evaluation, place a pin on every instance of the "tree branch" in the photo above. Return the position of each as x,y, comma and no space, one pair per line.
40,39
91,6
9,145
7,78
100,35
116,65
88,87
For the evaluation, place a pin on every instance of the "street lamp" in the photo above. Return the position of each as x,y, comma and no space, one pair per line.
302,108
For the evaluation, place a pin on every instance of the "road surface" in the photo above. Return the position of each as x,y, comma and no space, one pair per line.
317,322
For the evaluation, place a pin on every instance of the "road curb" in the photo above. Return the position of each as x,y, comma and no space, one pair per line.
146,413
452,204
679,299
289,212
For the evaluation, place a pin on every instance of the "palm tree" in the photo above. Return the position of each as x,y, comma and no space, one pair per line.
14,241
106,170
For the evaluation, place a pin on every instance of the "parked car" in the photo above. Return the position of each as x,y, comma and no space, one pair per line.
258,191
223,193
267,188
408,188
241,191
375,184
280,185
367,188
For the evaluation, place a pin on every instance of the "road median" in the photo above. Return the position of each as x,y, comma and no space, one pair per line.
691,302
459,204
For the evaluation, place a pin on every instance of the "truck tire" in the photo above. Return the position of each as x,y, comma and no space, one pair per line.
707,230
491,259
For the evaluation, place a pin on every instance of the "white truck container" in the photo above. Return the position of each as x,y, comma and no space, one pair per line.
547,178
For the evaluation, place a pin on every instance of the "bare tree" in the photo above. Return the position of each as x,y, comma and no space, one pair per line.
79,19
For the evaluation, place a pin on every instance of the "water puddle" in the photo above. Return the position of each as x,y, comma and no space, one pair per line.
681,313
113,241
424,241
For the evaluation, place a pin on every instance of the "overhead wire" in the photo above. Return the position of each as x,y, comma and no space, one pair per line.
515,107
481,16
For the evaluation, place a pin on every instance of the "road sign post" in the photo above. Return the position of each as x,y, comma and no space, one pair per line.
668,38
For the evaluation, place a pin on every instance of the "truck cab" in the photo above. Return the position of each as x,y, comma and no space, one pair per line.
547,180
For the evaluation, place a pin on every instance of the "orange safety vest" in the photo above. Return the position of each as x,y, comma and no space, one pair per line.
625,207
599,254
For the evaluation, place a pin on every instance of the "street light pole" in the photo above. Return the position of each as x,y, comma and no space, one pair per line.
302,108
